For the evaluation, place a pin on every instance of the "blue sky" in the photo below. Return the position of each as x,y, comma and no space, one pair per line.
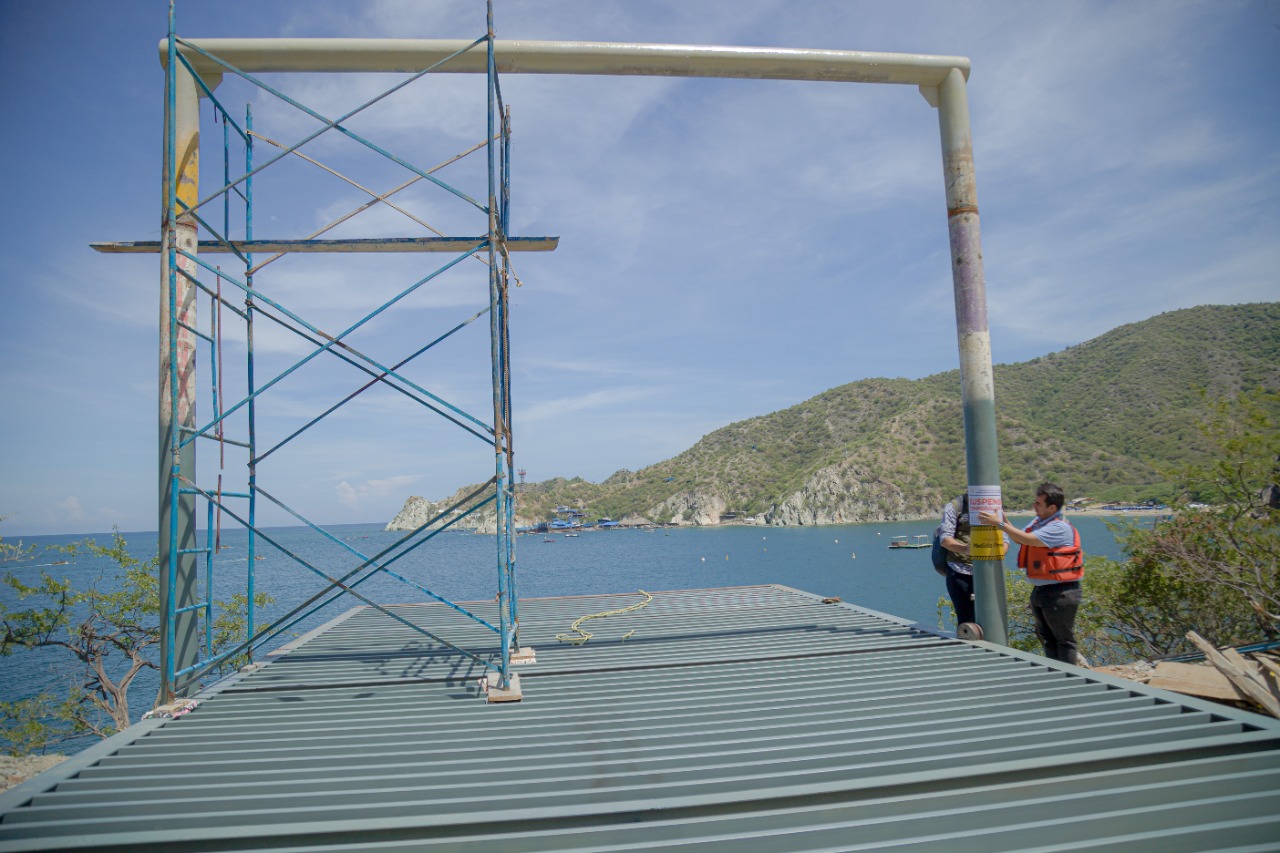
727,247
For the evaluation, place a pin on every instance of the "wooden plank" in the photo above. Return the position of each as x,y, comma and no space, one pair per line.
1256,673
1193,679
1249,681
1269,665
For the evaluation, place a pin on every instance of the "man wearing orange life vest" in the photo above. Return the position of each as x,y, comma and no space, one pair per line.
1054,562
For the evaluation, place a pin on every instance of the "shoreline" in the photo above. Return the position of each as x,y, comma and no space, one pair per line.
1142,513
1017,513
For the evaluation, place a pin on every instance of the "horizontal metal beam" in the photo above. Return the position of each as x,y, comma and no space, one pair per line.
572,57
372,244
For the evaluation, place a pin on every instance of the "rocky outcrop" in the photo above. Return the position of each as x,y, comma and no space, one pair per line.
690,508
845,493
417,511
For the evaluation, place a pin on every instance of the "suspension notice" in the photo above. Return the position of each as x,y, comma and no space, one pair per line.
983,499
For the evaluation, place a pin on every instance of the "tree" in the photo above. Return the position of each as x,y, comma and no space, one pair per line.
1233,547
111,630
11,552
1212,566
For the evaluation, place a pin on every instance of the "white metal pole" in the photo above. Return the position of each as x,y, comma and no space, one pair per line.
571,57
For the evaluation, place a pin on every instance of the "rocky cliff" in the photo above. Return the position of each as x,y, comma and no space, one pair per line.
418,511
848,493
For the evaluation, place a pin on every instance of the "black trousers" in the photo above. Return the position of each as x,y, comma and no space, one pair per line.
960,588
1054,607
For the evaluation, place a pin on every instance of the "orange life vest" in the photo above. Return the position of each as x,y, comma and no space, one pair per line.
1053,564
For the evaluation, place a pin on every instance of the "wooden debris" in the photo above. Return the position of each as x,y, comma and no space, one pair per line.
1271,665
1243,674
1267,683
1139,670
1193,679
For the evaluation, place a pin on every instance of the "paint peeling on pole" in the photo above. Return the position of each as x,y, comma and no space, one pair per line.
177,533
976,375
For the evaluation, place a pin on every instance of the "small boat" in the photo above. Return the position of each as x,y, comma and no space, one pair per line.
548,539
571,536
920,541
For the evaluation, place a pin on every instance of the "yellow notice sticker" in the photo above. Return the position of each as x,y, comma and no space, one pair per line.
986,543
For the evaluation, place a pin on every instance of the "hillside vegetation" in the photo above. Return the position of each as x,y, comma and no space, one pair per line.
1105,418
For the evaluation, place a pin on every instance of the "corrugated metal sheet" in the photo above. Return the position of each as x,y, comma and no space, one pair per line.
754,719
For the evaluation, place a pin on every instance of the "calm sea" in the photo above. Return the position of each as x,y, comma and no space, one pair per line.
853,562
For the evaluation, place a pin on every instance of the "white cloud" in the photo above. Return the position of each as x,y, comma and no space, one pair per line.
592,400
348,495
373,491
70,510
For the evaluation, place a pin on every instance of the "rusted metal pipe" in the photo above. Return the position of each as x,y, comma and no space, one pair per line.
976,375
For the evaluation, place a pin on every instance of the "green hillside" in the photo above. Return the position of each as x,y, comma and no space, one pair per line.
1103,418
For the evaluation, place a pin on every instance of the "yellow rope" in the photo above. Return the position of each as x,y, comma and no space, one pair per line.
583,636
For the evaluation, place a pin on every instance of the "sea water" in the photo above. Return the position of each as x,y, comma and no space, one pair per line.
852,562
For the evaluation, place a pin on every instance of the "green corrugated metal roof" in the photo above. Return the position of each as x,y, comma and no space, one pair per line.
754,718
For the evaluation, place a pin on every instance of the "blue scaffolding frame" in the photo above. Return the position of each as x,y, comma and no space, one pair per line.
187,603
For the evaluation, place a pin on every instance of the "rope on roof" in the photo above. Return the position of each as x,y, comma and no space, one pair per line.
583,636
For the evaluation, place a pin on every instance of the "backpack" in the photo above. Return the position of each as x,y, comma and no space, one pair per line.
939,554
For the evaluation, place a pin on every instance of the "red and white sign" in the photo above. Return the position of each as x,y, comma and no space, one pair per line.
983,499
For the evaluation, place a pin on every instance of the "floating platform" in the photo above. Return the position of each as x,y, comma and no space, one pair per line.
755,718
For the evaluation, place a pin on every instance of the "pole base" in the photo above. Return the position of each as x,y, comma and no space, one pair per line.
510,693
969,631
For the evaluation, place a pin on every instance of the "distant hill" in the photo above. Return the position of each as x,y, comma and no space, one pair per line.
1103,418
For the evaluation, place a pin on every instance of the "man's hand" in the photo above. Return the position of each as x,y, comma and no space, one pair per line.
990,519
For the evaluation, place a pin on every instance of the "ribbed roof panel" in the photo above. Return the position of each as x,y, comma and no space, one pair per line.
758,717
